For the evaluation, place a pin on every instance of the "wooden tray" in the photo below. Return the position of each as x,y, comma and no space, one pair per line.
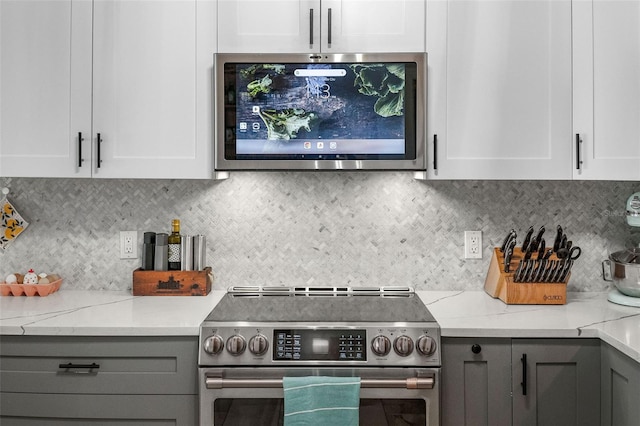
30,289
499,284
172,283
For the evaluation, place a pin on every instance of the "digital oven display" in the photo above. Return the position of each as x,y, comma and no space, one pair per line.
319,345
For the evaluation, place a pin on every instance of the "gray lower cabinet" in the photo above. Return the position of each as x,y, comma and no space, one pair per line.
98,380
486,381
620,382
556,381
476,382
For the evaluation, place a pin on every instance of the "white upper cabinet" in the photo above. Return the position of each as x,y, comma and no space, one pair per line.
137,73
606,104
336,26
499,89
45,88
152,93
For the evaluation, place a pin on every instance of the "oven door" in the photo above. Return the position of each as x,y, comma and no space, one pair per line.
388,396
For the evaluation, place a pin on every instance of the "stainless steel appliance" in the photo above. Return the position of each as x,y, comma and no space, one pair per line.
256,336
326,111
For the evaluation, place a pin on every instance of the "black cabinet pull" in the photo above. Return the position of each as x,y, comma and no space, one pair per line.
69,365
435,152
329,27
311,27
578,161
79,149
524,374
476,348
99,151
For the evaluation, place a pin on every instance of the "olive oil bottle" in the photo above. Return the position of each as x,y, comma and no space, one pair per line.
174,246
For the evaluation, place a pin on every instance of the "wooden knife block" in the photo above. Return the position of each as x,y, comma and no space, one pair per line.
499,284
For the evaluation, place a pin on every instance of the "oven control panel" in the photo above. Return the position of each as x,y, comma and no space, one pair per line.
319,345
273,344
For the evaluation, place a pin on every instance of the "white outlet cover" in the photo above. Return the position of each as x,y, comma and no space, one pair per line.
128,244
473,244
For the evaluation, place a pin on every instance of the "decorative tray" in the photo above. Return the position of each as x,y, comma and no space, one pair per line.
30,289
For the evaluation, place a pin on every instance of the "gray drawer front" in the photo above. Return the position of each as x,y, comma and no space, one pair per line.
127,365
20,409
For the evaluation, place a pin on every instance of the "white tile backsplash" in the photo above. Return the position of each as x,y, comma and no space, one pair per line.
320,228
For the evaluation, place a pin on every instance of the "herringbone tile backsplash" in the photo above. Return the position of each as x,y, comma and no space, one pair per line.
301,228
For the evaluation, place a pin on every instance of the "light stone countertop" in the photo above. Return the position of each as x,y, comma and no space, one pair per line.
459,313
476,314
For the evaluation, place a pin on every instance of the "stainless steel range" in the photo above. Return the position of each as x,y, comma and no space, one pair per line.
255,336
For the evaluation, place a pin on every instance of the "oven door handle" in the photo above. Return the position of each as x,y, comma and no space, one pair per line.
410,383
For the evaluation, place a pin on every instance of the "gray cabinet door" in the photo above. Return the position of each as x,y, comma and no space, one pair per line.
476,382
556,381
620,388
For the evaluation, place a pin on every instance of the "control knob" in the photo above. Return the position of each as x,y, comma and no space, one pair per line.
426,345
236,344
381,345
403,345
258,344
213,344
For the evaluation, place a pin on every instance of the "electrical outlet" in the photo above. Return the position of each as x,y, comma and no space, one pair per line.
473,244
128,244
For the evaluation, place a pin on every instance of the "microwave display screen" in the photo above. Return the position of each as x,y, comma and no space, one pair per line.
320,111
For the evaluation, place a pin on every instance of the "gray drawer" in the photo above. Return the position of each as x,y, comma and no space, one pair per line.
122,365
22,409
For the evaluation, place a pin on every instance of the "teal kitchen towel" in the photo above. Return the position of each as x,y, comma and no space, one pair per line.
321,401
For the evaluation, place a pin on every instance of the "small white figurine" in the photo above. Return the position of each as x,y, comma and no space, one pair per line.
30,278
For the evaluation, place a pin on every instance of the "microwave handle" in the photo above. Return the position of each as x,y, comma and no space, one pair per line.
410,383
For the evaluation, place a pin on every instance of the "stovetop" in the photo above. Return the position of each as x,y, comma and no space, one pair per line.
320,304
320,326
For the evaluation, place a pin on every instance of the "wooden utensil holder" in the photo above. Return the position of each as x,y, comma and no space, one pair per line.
172,283
500,284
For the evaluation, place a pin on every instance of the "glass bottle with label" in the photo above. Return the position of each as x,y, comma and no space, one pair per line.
174,246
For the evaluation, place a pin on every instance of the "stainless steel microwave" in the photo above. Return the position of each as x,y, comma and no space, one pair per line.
320,111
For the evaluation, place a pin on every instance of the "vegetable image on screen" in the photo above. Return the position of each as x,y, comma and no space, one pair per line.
384,81
285,124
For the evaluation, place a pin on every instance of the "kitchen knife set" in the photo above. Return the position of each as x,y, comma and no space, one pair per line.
537,263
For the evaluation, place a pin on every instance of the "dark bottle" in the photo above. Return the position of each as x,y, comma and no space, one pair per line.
174,246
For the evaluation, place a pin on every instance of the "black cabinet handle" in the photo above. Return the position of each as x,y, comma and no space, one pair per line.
99,151
70,365
578,161
476,348
79,149
329,27
311,27
435,152
524,374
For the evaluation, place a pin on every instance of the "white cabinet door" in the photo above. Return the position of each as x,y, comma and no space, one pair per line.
607,89
340,26
273,26
499,89
45,88
152,92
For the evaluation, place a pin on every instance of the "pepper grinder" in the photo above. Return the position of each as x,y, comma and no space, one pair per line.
161,255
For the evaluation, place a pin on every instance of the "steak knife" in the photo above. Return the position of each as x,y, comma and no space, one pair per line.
511,236
527,239
508,255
